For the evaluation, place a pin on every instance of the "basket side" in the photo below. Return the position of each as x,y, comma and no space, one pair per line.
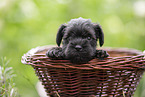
77,83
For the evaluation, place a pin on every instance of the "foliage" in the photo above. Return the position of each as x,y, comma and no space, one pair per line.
25,24
7,86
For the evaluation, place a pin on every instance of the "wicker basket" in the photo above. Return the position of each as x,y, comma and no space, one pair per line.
115,76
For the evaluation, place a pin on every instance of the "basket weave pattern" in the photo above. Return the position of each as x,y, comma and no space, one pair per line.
111,77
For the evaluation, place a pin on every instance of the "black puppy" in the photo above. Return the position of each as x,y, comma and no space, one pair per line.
79,41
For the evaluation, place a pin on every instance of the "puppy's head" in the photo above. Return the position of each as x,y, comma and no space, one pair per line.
80,39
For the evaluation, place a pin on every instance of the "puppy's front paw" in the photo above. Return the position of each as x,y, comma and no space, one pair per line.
55,53
101,54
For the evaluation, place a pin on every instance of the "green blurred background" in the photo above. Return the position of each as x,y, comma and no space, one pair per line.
26,24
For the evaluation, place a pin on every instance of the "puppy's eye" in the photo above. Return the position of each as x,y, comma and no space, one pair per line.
67,38
89,38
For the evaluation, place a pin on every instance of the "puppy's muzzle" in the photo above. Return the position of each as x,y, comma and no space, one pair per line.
78,47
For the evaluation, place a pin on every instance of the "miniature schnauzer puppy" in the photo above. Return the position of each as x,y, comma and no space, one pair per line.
79,42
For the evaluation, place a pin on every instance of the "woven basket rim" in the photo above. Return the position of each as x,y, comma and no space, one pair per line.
35,56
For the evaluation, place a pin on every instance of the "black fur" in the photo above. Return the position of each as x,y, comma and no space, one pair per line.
79,41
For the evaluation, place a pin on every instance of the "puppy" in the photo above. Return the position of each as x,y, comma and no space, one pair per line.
80,38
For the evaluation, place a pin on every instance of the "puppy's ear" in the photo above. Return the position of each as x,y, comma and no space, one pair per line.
99,33
60,34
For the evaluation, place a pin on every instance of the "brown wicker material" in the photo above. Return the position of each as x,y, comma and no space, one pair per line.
115,76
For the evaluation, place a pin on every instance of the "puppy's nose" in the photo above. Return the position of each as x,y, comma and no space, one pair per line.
78,47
